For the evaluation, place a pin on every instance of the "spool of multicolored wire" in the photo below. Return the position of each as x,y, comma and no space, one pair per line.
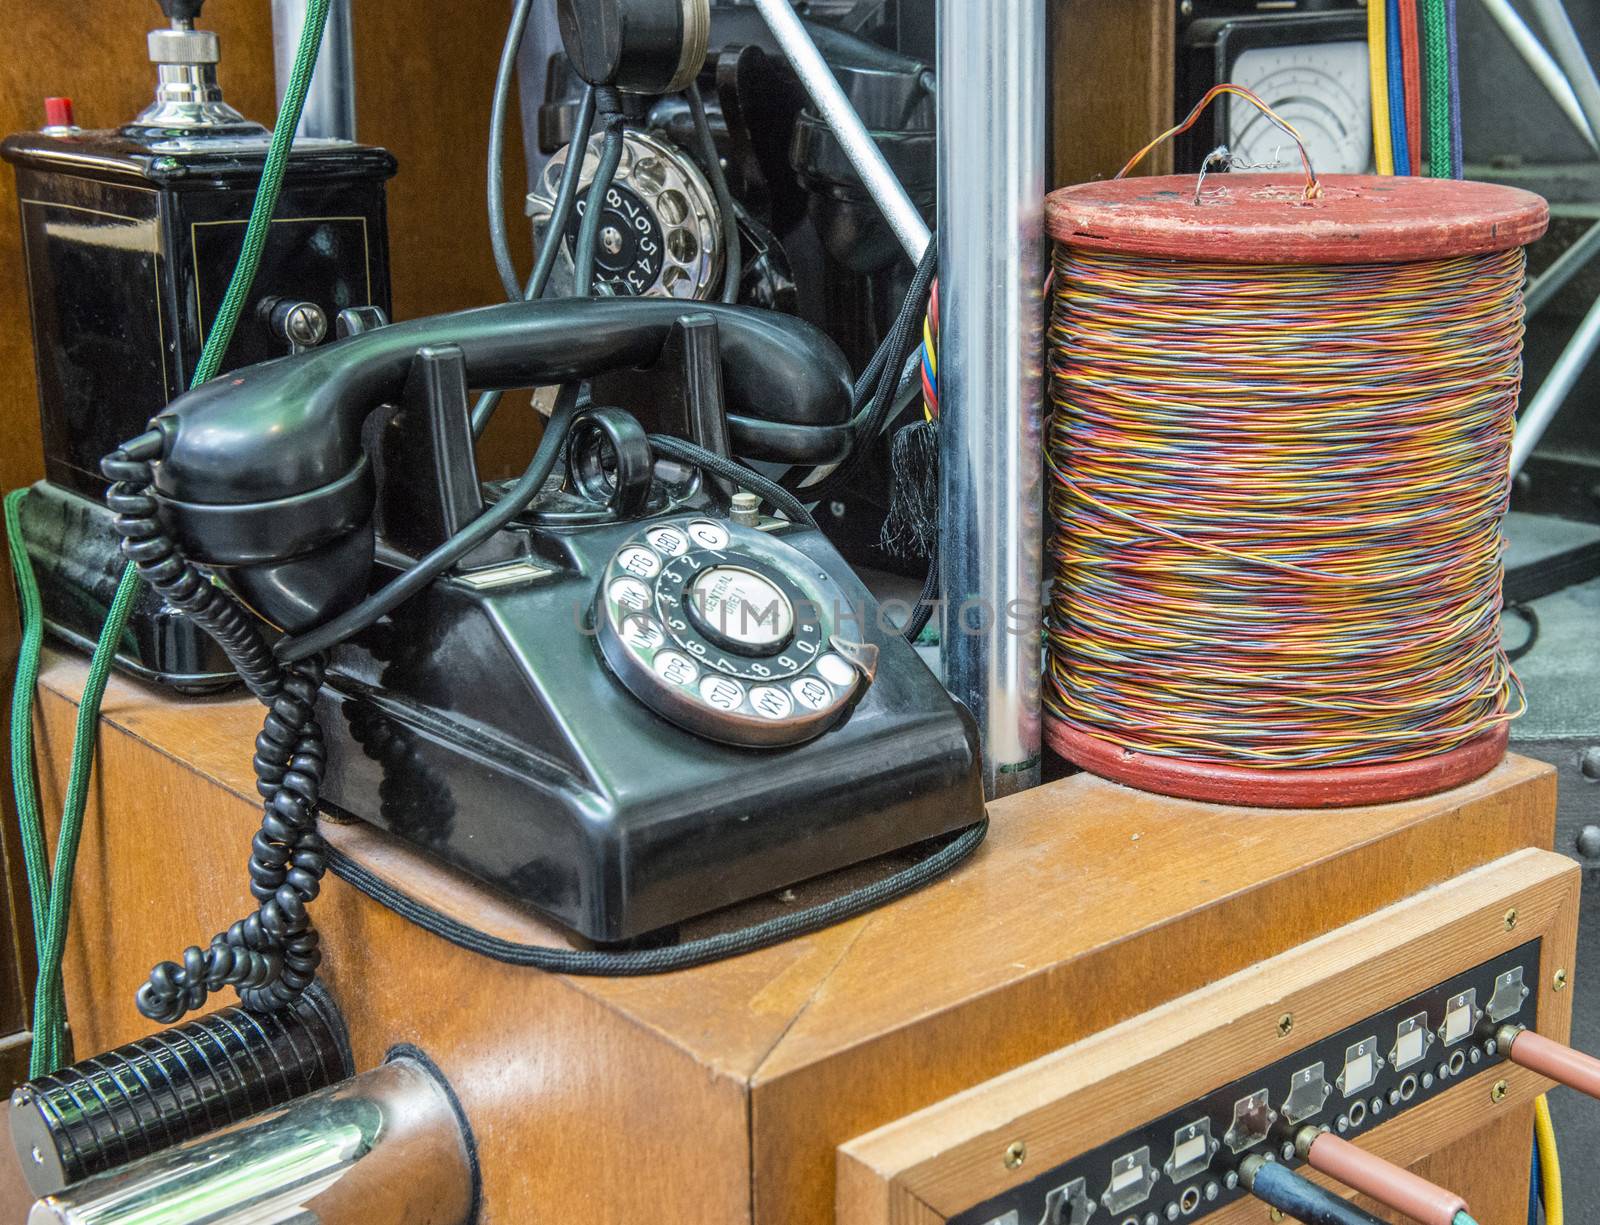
1277,466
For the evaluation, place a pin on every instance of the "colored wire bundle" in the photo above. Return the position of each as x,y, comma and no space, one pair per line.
1313,188
1277,494
1414,77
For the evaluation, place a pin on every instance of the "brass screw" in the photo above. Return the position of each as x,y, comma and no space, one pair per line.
1016,1154
1511,919
1285,1024
1498,1093
1560,981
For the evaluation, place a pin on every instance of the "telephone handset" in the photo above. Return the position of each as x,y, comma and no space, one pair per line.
622,706
263,476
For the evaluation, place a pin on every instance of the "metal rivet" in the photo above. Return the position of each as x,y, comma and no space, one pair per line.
1511,919
1560,980
1498,1093
1285,1024
1016,1154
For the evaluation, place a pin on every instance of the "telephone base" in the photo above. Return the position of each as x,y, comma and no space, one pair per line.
77,563
482,725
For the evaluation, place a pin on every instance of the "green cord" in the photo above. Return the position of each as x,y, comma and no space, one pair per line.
50,894
1436,52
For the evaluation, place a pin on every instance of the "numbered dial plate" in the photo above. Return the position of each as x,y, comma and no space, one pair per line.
727,632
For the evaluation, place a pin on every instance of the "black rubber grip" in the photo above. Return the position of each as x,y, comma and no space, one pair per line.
184,1082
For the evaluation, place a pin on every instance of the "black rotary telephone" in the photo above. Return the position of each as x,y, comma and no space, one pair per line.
629,697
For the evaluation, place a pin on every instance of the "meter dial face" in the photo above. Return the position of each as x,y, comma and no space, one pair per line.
1321,90
727,632
660,231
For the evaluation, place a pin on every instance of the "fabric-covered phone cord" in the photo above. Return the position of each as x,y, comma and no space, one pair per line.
51,890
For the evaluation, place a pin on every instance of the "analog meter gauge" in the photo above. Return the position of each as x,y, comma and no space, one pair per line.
1311,68
1321,90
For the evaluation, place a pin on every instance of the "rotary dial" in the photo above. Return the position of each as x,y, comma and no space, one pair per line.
660,233
728,633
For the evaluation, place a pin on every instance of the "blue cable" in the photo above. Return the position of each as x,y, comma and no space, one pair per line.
1535,1183
1400,138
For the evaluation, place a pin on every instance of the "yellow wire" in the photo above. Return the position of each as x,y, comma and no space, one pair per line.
1378,77
1549,1161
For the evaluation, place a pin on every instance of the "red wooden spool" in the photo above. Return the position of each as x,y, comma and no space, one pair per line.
1263,219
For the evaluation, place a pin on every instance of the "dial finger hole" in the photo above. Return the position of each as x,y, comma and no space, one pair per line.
642,634
650,174
771,703
836,670
668,540
677,282
708,535
683,246
811,692
672,207
675,668
639,561
722,693
630,593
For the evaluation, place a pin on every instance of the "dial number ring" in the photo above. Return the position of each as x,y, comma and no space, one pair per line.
784,697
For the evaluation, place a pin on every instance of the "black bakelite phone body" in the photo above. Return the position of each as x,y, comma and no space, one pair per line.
628,707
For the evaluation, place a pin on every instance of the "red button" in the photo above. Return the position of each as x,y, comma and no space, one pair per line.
58,113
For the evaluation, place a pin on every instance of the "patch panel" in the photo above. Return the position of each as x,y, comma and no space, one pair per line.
1183,1165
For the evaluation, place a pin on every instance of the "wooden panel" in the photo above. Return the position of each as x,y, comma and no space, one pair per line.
1090,903
950,1156
1496,1162
1093,904
1112,70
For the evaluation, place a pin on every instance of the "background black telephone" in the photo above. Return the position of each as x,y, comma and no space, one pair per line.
603,688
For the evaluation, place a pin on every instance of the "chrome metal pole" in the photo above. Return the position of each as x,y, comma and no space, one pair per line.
1574,60
1555,82
330,110
992,113
385,1146
1567,265
1552,394
835,109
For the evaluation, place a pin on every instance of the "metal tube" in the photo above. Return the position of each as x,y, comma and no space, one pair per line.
386,1146
1570,262
835,109
1546,69
1574,61
992,114
330,111
1552,394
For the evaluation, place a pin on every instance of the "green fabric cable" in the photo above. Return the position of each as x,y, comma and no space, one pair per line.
51,893
1436,59
24,785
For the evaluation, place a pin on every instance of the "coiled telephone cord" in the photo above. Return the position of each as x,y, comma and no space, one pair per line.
272,955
